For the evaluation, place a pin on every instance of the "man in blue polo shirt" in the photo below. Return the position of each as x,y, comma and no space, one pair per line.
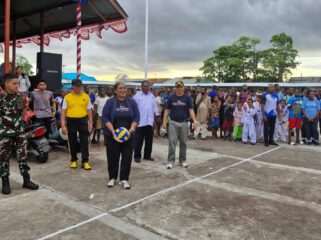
180,109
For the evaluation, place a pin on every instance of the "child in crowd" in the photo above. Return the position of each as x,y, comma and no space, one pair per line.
259,125
248,123
281,121
215,116
237,130
295,116
228,117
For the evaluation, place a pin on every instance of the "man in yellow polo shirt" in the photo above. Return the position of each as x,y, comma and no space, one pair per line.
77,110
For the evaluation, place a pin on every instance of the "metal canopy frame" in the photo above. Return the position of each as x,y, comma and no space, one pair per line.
26,18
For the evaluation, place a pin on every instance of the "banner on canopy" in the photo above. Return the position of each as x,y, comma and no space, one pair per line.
86,31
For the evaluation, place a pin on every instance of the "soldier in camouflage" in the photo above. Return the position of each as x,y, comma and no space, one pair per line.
12,106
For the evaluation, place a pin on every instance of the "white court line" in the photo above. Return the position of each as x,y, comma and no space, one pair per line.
73,226
153,195
302,147
189,181
16,196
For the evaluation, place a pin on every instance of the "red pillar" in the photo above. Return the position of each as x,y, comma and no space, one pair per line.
6,34
14,38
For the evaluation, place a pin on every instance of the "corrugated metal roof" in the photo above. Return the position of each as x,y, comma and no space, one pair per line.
58,15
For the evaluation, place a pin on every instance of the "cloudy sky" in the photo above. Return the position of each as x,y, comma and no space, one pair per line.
183,33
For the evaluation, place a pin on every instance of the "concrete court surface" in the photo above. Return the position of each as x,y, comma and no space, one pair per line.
230,191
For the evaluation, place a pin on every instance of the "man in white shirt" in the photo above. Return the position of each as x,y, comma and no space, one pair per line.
147,109
99,104
269,106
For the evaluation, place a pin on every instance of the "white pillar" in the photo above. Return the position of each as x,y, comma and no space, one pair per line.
146,41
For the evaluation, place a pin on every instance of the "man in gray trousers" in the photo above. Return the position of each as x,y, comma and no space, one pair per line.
180,110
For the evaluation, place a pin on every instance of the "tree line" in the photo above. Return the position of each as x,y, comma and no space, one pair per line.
243,61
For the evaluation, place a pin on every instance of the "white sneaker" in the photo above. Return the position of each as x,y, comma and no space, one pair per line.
111,183
169,165
184,165
124,184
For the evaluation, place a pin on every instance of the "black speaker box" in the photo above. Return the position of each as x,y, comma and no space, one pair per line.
49,68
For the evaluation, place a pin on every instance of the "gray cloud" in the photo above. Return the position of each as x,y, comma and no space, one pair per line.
185,32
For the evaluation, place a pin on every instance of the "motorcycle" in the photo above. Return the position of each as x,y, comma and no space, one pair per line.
38,146
56,137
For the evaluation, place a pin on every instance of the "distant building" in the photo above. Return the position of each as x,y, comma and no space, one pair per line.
305,79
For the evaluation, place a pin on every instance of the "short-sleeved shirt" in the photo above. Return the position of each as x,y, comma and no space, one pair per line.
212,94
147,108
11,111
100,102
123,116
270,102
59,101
280,95
159,103
311,107
179,107
76,105
92,98
228,111
41,103
295,107
244,96
238,115
215,109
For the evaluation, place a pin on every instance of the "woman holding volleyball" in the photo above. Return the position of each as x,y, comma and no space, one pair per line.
120,117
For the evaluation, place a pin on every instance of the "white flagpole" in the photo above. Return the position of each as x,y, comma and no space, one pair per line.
146,41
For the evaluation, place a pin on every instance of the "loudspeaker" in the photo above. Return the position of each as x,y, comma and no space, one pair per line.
34,81
49,68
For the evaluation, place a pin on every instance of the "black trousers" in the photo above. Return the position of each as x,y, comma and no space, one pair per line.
144,133
311,130
269,127
115,150
47,123
74,126
303,134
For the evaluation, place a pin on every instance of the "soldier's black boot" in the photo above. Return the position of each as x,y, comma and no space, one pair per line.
6,185
27,183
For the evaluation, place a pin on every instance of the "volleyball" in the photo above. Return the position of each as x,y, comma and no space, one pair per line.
121,134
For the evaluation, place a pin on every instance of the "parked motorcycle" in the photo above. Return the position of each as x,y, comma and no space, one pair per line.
38,146
56,137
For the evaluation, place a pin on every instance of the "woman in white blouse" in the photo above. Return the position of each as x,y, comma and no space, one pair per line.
24,83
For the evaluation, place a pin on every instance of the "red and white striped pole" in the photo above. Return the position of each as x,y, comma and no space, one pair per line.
78,40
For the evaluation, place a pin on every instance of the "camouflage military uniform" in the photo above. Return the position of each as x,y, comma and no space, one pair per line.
12,132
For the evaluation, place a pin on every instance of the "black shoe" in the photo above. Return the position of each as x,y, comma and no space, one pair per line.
28,184
94,141
266,144
274,143
138,160
149,159
6,189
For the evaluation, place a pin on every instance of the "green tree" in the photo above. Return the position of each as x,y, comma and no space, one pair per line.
243,61
25,64
281,57
236,62
249,56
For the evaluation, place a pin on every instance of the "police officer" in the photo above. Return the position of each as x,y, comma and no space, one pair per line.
12,106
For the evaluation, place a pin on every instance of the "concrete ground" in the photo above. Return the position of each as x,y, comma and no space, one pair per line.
230,191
